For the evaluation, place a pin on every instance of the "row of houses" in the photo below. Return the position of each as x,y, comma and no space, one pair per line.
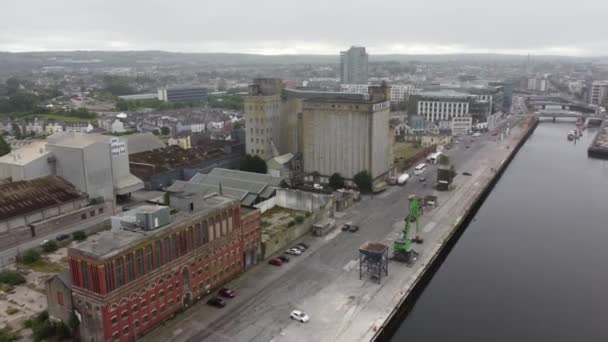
40,127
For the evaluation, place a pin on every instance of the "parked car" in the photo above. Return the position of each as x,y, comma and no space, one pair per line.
422,179
466,173
304,245
299,316
275,262
44,242
61,237
217,302
467,146
227,293
345,226
284,258
293,251
353,228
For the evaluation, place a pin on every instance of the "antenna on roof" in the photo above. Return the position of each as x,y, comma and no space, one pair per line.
220,188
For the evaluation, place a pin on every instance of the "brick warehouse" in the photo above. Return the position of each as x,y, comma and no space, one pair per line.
152,263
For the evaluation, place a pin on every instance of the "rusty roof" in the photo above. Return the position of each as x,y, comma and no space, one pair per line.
22,197
173,157
373,247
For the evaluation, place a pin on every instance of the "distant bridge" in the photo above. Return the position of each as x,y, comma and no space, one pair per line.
559,113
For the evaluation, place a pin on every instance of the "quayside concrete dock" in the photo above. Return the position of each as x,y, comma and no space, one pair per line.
324,282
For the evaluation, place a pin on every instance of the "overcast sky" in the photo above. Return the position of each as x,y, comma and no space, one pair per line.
308,26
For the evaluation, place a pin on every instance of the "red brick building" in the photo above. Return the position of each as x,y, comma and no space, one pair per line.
151,264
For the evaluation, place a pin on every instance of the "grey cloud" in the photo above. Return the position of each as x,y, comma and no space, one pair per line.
313,26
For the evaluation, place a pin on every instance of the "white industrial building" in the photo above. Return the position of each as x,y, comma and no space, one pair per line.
399,92
97,164
598,91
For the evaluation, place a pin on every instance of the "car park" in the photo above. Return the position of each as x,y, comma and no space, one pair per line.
217,302
299,316
226,292
275,262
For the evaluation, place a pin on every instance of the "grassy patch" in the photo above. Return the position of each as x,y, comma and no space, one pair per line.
10,277
7,335
46,266
404,151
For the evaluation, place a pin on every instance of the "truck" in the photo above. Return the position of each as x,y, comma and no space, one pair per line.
433,158
445,175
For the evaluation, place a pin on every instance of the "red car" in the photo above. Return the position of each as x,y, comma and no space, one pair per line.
227,293
275,262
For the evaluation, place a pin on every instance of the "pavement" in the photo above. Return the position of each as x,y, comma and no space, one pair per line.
324,282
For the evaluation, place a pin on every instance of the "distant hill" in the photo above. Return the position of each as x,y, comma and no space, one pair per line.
24,61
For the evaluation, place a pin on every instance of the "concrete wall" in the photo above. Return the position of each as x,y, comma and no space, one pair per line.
28,227
381,141
297,200
58,311
38,167
98,172
283,237
336,140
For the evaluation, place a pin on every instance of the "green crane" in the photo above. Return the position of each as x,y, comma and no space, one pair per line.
402,247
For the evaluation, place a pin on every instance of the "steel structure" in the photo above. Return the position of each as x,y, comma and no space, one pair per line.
373,260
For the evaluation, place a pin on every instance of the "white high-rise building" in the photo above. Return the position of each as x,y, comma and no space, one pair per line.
399,92
598,90
353,65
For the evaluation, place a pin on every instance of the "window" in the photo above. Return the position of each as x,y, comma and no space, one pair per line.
197,234
125,330
175,250
154,313
167,250
139,260
136,323
124,314
100,210
85,274
114,319
224,223
59,297
134,308
92,213
152,297
145,318
130,271
83,216
148,258
158,253
144,304
190,238
120,276
205,232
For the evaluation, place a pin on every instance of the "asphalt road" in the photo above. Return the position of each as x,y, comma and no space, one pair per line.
267,294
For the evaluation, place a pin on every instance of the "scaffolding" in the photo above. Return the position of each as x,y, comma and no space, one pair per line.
373,261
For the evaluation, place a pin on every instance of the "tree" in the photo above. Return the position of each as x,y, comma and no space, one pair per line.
364,181
336,181
165,130
253,164
5,148
29,257
11,277
50,246
79,235
17,132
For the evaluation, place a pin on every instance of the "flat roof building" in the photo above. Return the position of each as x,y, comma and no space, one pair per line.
152,263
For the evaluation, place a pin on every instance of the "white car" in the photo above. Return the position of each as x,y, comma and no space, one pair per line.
44,242
299,316
294,251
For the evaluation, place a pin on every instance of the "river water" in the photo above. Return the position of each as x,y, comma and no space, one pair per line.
533,263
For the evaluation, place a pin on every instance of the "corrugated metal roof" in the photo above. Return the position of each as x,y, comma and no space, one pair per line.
141,142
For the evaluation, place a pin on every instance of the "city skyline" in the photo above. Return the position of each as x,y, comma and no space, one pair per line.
415,27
